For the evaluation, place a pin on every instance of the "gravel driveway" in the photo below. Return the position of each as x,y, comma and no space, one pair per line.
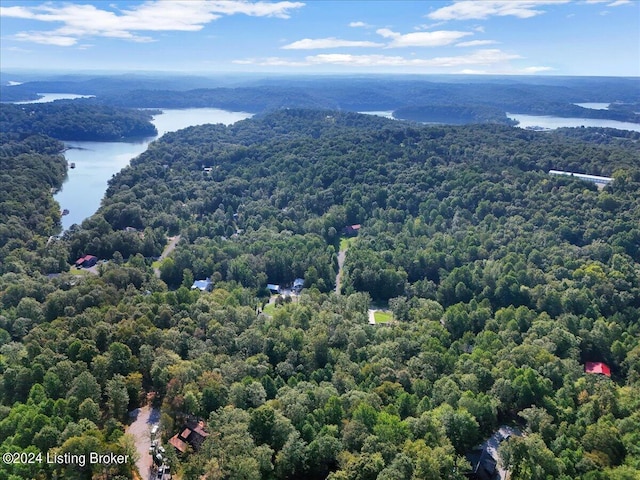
145,418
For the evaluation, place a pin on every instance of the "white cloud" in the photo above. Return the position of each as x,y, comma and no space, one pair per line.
480,57
615,3
359,25
311,44
473,9
16,49
46,39
536,69
421,39
153,16
272,62
471,71
476,43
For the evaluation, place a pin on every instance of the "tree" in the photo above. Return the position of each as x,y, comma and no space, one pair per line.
529,458
85,386
460,426
90,410
119,358
117,397
291,461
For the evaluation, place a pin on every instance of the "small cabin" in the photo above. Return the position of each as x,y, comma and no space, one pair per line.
352,230
597,368
205,285
298,285
273,288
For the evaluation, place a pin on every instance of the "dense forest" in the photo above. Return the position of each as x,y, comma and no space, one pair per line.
31,167
453,114
502,281
490,97
67,120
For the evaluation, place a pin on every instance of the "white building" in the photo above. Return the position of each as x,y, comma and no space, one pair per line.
583,176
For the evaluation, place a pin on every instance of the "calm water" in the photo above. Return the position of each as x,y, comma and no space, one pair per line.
548,122
50,97
97,162
594,106
381,113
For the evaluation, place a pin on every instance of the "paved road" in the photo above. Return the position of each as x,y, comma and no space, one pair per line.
173,241
145,418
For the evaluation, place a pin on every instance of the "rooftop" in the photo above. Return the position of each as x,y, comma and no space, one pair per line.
597,368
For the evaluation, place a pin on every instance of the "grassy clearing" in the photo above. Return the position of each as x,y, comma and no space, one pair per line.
346,242
75,271
383,317
269,309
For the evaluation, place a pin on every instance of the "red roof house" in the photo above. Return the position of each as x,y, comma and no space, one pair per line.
86,261
597,367
193,435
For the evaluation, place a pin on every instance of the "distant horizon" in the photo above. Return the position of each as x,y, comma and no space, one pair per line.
231,73
567,38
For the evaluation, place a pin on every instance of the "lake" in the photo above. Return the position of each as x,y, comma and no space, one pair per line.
51,97
97,162
594,105
549,122
381,113
546,122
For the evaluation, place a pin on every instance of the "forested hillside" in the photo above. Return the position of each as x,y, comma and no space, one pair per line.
465,98
30,169
503,281
69,120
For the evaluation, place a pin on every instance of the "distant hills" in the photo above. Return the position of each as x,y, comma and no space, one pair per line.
413,97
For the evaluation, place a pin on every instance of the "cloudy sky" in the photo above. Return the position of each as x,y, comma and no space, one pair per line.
543,37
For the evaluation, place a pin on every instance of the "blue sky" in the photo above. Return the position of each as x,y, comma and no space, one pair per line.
541,37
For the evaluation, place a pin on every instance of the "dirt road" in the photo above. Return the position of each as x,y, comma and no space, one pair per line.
173,241
341,255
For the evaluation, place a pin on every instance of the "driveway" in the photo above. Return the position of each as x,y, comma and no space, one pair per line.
173,241
341,256
145,418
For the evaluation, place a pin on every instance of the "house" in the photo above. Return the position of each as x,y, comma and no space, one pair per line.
205,285
352,230
87,261
484,457
483,465
191,435
600,181
298,285
597,368
273,288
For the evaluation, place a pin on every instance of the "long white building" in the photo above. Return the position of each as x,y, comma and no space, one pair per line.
583,176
